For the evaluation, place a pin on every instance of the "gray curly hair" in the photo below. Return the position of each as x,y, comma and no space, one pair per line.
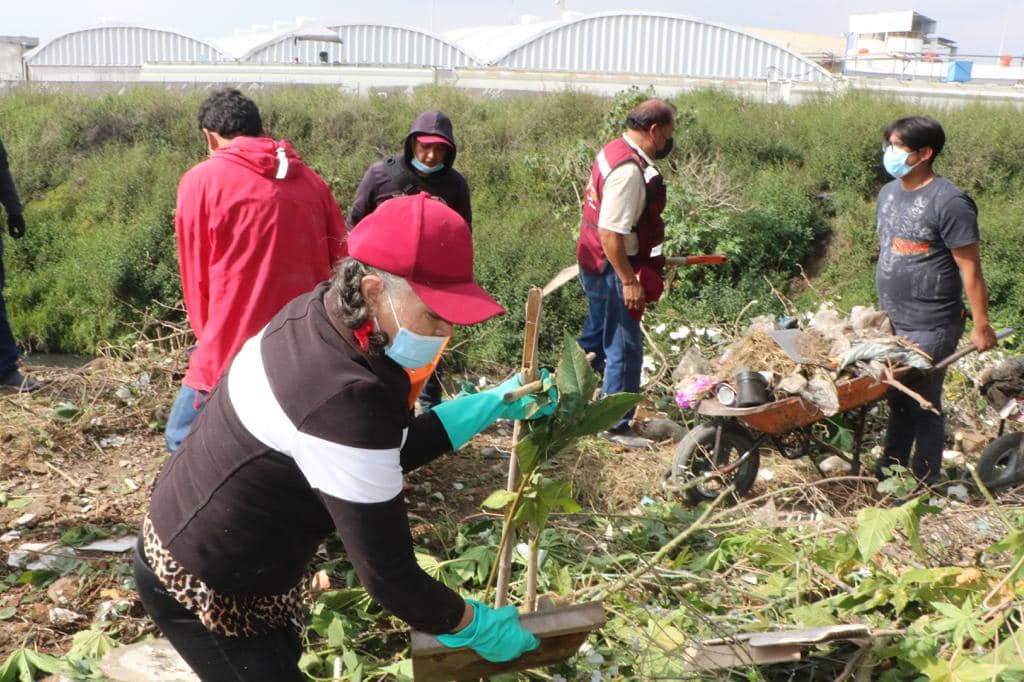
346,296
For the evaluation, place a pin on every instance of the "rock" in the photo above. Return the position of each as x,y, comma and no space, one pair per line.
123,393
958,492
64,590
953,458
794,384
148,661
24,519
59,616
970,441
661,430
835,466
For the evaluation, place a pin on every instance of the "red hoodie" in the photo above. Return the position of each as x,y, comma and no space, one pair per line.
256,227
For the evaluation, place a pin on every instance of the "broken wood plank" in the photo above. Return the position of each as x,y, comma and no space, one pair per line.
561,632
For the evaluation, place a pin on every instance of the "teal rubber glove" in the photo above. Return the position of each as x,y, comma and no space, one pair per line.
466,416
495,634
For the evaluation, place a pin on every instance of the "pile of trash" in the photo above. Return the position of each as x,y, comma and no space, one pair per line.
775,359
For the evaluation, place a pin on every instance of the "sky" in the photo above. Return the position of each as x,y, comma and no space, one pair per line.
979,26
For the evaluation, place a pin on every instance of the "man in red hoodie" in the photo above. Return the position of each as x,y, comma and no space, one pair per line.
256,228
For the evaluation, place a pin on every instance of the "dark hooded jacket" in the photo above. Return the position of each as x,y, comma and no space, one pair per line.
8,194
394,176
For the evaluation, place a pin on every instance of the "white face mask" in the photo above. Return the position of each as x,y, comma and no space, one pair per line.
409,349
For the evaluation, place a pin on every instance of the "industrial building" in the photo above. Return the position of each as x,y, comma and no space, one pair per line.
602,53
632,43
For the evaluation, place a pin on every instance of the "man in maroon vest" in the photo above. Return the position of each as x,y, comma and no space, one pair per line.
619,251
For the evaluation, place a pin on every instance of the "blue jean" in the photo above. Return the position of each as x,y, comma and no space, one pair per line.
910,425
187,406
8,349
612,335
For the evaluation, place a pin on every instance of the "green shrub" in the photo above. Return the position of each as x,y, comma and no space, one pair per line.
99,175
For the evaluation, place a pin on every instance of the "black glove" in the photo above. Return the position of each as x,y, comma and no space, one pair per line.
16,225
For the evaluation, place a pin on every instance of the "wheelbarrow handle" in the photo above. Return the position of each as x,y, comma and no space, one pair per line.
968,350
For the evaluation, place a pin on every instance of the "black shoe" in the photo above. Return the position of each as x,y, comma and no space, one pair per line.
627,438
18,381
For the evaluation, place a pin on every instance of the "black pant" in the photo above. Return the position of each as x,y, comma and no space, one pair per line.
272,657
912,426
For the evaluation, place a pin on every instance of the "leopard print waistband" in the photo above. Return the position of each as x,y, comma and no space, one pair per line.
231,615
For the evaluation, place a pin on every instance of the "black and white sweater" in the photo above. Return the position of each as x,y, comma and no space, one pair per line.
305,433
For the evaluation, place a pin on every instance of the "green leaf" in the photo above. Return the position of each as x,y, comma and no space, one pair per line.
38,578
309,663
963,670
875,527
499,499
575,378
19,502
92,644
66,412
401,671
353,666
336,633
7,612
83,535
23,664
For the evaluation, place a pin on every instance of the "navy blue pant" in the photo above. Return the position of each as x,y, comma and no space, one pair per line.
612,335
911,427
271,657
8,349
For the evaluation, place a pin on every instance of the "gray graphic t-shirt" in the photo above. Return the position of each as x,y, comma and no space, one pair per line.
917,279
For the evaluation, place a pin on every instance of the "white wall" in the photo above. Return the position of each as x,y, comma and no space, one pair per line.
10,62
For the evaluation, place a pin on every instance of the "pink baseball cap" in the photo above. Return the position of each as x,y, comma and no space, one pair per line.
434,139
429,245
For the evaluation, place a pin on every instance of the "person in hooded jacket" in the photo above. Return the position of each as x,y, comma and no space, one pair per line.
425,165
256,227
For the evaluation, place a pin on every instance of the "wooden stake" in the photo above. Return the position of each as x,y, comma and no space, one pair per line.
529,370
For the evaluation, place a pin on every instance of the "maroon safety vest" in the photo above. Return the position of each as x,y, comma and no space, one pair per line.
650,228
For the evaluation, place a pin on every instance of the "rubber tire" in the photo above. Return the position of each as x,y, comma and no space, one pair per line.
688,461
996,467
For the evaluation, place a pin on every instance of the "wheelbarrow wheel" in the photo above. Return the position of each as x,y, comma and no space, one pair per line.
696,455
1001,465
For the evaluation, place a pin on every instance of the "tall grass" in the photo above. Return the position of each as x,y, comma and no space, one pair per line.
774,187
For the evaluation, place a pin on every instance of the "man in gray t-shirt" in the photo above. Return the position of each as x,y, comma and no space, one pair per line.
929,255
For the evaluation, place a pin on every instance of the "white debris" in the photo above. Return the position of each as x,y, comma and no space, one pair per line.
10,536
16,558
959,492
749,578
835,466
674,348
131,485
680,333
115,545
24,519
61,616
953,458
660,329
765,475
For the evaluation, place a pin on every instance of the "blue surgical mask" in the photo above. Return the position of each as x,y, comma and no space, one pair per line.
412,350
895,161
424,168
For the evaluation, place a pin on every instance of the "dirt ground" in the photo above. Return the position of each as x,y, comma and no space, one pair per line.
83,452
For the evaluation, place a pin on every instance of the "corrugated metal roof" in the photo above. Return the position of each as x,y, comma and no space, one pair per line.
657,44
121,46
382,44
490,43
